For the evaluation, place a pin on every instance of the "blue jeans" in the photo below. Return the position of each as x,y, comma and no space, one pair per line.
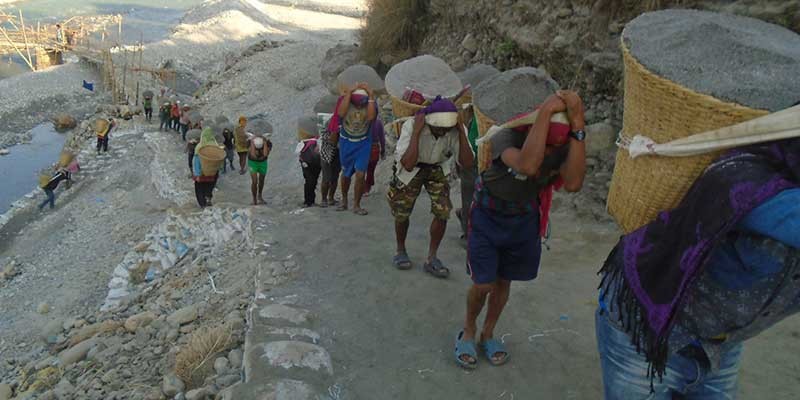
51,198
625,371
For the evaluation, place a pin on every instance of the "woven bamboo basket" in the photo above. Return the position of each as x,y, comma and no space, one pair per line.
211,159
663,111
402,108
65,158
485,149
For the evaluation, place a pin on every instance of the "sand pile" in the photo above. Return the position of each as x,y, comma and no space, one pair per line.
360,73
326,104
259,126
306,127
513,92
427,74
476,74
737,59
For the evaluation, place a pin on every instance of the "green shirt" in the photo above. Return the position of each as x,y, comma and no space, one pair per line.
472,135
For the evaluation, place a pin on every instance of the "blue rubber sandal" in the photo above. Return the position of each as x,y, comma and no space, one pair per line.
493,346
401,261
466,347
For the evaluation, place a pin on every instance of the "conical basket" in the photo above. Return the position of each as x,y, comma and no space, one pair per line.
663,111
211,159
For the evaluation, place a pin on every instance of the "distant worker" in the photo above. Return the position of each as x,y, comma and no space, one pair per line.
148,108
50,186
184,122
260,147
355,114
230,154
377,153
311,164
175,115
164,115
331,168
425,146
509,216
203,185
240,141
59,35
103,134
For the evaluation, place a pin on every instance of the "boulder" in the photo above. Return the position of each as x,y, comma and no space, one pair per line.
600,138
172,385
470,43
43,308
76,353
63,122
183,316
336,60
134,322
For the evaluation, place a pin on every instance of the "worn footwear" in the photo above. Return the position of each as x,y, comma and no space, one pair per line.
324,204
491,347
401,261
436,268
465,348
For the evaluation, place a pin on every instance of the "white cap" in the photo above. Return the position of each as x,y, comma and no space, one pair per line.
442,119
361,92
258,142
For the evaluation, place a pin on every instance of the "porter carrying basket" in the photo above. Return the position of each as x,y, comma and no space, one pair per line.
211,159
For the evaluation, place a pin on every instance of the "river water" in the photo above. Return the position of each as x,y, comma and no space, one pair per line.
21,165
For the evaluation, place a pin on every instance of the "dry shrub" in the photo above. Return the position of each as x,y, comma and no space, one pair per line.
395,27
195,360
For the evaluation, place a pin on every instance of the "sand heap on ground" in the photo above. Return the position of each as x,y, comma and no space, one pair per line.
737,59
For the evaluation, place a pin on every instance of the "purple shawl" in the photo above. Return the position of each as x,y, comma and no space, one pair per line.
439,104
652,268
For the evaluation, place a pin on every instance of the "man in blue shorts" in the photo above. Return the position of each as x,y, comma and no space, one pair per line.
504,239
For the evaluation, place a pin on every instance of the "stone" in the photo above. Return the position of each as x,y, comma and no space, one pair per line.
600,138
171,385
235,358
197,394
292,354
5,391
134,322
336,60
183,316
52,328
221,365
9,271
227,380
63,122
283,312
76,353
43,308
141,247
470,43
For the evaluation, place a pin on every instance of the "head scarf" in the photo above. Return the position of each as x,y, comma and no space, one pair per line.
242,120
557,134
359,98
441,113
206,139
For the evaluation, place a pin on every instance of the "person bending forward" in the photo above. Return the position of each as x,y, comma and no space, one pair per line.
504,240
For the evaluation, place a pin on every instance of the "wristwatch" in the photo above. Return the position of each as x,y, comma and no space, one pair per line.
578,135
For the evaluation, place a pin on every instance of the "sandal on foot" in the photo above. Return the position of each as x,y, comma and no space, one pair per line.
341,208
465,347
436,268
360,211
401,261
491,347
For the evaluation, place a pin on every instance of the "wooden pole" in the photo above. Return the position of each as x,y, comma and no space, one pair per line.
27,61
25,36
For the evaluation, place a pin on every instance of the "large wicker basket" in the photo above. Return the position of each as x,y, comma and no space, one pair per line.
211,159
485,149
663,111
402,108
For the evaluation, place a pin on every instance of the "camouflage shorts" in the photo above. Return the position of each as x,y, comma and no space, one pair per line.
402,197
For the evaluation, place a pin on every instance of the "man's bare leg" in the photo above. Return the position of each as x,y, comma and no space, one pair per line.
438,228
476,298
254,188
345,193
261,179
359,192
497,302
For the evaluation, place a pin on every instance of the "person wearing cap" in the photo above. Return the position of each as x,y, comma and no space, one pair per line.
354,119
509,214
260,147
426,143
241,142
104,135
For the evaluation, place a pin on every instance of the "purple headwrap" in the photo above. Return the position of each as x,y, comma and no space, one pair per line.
438,105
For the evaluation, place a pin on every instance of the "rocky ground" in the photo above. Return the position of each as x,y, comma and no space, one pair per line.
127,291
